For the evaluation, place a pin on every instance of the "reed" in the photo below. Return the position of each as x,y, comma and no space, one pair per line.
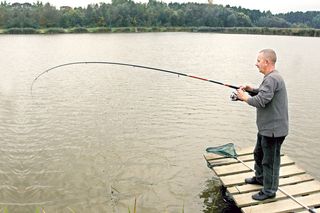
78,30
310,32
20,31
134,207
53,31
100,30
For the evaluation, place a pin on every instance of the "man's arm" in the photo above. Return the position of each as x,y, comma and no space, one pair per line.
265,95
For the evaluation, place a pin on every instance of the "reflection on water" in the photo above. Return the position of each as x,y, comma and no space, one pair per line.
95,138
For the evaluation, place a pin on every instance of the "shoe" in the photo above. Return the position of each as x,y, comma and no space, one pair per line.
252,180
260,196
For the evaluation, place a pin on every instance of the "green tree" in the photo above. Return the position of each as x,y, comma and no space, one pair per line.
243,20
72,18
125,13
3,14
90,16
19,16
316,21
48,16
272,21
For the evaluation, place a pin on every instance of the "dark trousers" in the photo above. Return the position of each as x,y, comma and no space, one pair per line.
267,162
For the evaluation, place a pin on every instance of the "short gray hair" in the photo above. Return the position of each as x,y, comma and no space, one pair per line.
270,55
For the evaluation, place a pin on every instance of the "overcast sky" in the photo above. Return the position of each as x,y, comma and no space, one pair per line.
275,6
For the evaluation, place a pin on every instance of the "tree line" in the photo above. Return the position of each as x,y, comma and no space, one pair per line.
127,13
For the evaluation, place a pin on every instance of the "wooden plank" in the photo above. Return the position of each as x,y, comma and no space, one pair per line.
243,151
293,190
227,161
247,157
239,167
293,181
282,182
238,179
306,211
287,205
233,168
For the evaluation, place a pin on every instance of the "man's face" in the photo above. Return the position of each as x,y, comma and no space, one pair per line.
261,63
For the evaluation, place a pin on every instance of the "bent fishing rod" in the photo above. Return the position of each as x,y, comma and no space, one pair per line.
137,66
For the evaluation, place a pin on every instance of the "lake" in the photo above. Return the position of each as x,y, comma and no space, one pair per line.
95,138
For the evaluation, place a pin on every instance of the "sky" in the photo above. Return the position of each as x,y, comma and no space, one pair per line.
275,6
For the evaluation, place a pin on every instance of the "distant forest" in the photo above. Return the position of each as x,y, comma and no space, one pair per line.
126,13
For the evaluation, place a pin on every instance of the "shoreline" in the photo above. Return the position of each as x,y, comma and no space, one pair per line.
309,32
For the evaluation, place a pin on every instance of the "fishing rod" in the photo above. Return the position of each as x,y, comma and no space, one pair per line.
233,97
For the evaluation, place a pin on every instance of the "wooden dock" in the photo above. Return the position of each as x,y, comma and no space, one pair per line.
293,180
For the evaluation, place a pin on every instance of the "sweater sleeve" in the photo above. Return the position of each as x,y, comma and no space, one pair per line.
255,90
265,95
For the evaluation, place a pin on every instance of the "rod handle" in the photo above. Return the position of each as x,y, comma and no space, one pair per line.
251,93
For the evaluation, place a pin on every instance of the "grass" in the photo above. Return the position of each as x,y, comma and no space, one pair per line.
37,210
41,210
134,207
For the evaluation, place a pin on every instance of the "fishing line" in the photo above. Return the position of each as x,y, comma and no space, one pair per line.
132,65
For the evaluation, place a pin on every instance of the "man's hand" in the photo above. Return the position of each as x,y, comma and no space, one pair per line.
247,88
242,95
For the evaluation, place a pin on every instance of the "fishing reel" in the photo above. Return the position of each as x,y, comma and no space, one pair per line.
234,96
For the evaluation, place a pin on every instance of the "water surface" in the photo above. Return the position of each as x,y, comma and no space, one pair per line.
93,138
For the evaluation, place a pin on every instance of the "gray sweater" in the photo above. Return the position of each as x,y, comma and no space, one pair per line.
272,106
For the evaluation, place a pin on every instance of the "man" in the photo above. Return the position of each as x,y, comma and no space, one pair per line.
272,121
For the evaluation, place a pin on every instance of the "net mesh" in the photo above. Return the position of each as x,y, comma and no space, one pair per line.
226,150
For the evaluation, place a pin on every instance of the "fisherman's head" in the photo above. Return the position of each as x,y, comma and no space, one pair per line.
266,60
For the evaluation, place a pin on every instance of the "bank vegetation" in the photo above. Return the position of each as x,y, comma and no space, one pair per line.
154,16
